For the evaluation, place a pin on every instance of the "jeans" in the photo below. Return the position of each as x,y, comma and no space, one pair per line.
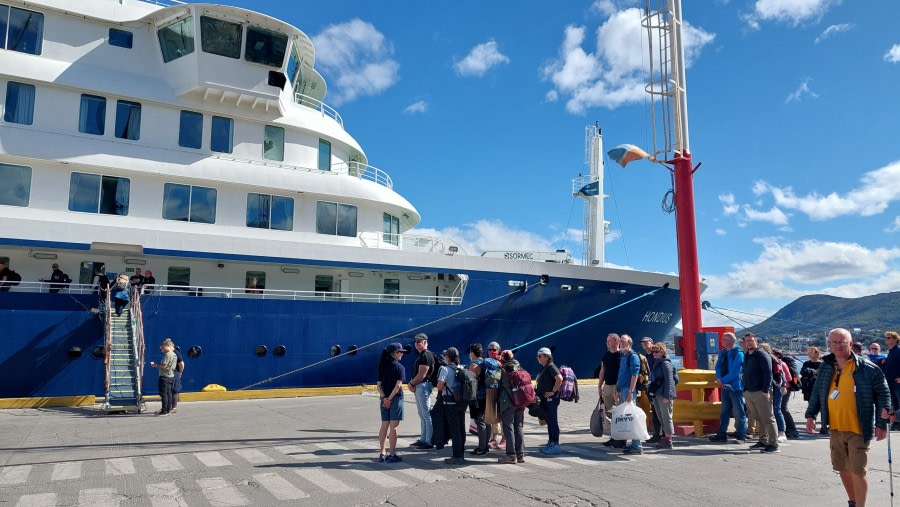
776,407
623,396
733,406
455,413
120,303
551,405
513,430
423,402
476,410
789,425
165,393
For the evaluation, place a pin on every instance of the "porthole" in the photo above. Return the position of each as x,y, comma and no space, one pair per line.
351,350
407,350
75,352
335,350
279,351
261,351
98,352
194,352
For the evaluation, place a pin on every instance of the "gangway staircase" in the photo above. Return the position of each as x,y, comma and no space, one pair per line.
124,358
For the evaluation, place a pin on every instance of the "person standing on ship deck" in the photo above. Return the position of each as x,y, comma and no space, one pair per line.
150,280
421,386
137,279
5,274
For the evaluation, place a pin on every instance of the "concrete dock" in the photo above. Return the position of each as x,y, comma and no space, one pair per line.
323,451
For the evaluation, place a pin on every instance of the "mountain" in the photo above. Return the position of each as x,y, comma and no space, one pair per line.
820,313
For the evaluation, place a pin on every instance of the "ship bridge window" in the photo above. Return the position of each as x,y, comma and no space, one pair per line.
92,118
273,143
324,155
391,230
190,132
120,38
19,103
188,203
270,212
177,39
93,193
220,37
21,30
128,120
15,185
221,134
293,66
265,47
336,219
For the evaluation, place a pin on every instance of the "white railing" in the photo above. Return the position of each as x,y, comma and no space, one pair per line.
164,3
297,295
72,288
364,172
410,243
318,105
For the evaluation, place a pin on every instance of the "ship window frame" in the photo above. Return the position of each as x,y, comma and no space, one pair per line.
187,46
92,115
293,67
120,38
193,214
35,32
390,229
273,143
259,54
215,141
224,42
86,271
178,276
394,290
259,277
323,285
24,185
274,204
324,155
19,105
190,135
99,186
128,120
329,213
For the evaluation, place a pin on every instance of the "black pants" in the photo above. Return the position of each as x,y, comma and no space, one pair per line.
456,420
476,410
165,393
789,425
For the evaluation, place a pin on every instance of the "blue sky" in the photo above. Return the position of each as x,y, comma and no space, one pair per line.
477,111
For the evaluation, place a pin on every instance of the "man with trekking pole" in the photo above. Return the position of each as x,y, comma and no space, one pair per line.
855,402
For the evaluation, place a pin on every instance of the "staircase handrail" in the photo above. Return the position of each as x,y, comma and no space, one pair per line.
107,332
137,323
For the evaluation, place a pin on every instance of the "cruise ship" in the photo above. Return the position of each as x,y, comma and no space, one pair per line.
193,141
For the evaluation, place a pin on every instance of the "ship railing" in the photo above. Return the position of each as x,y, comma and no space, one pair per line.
72,288
364,172
164,3
107,340
410,243
318,105
297,295
138,343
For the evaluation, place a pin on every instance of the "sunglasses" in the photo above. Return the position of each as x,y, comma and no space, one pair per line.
493,350
873,348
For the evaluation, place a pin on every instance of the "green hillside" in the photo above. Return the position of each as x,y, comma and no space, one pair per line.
818,313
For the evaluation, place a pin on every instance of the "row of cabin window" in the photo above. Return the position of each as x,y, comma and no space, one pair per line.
20,99
21,30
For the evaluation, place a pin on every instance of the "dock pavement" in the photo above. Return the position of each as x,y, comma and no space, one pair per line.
323,451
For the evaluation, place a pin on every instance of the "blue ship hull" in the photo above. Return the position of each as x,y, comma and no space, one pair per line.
40,330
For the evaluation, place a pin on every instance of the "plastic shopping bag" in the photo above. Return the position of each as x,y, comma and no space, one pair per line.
629,422
597,420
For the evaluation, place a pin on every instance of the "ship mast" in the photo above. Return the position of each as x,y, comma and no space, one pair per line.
671,144
590,189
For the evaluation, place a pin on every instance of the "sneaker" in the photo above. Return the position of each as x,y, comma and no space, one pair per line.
382,458
501,444
507,460
654,439
162,414
424,447
620,444
393,458
794,435
769,449
552,449
665,443
741,441
417,443
492,443
454,461
520,458
632,450
173,410
782,439
718,438
478,452
758,445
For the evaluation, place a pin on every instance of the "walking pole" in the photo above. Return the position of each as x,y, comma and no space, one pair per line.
890,461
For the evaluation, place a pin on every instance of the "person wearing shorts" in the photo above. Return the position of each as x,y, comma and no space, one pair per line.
390,391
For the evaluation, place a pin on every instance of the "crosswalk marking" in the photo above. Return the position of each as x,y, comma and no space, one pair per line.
379,478
325,481
66,471
14,475
580,461
422,475
253,456
165,463
165,494
37,500
212,459
220,492
119,466
280,487
294,452
332,447
98,497
506,467
549,464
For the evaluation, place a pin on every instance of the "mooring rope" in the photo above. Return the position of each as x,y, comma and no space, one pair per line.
709,307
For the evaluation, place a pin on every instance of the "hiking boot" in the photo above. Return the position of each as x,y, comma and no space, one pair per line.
454,461
520,458
718,438
507,460
552,449
758,445
769,449
654,439
665,443
632,450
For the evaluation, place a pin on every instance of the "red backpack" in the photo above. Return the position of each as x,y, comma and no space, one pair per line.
522,390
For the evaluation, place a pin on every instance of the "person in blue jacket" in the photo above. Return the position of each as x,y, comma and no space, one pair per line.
120,294
729,370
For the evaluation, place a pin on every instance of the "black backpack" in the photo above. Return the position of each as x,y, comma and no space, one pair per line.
795,373
466,390
13,278
65,279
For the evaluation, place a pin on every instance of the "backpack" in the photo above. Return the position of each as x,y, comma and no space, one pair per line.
65,279
466,386
568,390
675,376
522,390
795,374
643,380
491,371
121,283
777,376
13,278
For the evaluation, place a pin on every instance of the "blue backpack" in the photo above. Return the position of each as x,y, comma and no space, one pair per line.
491,371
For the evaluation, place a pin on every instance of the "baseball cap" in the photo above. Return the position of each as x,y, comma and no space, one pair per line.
421,337
394,348
55,265
544,351
646,339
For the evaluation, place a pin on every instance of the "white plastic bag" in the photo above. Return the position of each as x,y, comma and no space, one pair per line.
628,422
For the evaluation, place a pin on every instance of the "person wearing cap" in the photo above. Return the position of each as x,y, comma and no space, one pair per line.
56,279
421,386
513,417
454,413
150,280
497,441
548,383
390,392
643,401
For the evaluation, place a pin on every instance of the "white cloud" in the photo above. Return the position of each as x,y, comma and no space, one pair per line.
552,96
728,205
485,235
878,189
416,107
774,216
895,227
480,60
608,7
791,12
833,30
721,232
803,91
357,58
893,55
613,74
760,188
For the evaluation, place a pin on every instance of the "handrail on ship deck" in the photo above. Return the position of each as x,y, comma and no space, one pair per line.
137,321
364,172
410,242
107,345
297,295
318,105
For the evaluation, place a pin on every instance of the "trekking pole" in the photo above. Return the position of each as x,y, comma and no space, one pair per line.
890,461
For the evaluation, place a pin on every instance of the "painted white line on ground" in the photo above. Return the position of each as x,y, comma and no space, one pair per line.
221,493
279,487
119,466
580,461
332,447
507,467
165,494
324,481
99,497
66,471
253,456
549,464
212,459
294,452
422,474
14,475
379,478
165,463
37,500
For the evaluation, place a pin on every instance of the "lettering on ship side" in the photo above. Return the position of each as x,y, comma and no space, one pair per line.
657,317
519,256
